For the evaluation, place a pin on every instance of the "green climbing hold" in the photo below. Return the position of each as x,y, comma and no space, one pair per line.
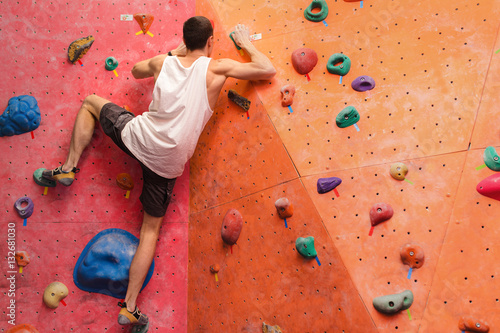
111,63
491,159
37,177
319,16
339,64
347,117
305,246
231,36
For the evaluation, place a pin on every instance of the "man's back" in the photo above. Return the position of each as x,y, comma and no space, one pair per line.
165,137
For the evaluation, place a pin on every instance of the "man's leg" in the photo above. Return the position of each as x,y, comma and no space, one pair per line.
143,258
80,138
83,129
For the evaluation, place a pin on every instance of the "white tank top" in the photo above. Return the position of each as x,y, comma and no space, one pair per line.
165,137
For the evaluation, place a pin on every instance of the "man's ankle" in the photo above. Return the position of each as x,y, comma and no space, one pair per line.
65,168
129,307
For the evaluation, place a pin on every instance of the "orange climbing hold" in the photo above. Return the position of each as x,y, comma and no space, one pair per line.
125,181
284,208
22,258
412,255
469,324
22,328
145,21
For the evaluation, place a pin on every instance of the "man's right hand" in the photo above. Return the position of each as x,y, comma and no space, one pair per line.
241,36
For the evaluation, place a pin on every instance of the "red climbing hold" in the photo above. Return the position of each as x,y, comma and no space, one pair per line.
231,226
304,60
380,212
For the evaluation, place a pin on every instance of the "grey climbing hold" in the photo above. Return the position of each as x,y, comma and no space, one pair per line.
391,304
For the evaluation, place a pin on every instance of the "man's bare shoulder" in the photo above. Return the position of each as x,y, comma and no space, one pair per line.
157,61
222,65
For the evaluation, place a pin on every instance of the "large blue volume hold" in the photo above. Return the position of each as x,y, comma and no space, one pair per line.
104,263
22,115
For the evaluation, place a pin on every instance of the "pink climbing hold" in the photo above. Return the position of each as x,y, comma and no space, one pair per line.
490,186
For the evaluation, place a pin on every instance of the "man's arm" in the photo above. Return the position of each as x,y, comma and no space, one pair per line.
259,68
151,67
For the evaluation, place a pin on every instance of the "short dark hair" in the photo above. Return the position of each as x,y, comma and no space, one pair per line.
196,31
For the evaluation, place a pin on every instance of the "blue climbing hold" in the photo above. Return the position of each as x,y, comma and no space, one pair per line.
21,116
104,263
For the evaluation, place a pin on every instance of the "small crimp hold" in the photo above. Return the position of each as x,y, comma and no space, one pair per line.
238,99
78,48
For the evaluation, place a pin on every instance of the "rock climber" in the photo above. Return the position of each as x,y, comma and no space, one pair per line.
163,139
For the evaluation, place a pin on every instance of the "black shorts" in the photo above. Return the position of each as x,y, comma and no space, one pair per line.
156,190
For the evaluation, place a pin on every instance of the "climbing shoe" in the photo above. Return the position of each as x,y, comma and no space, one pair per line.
126,317
63,177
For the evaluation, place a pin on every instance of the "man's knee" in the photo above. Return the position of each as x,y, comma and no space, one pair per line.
94,104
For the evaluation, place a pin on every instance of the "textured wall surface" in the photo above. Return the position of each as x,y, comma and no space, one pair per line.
434,108
35,38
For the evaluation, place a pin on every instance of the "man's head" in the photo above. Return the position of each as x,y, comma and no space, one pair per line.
196,32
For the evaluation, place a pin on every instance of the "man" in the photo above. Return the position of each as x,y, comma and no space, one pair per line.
187,86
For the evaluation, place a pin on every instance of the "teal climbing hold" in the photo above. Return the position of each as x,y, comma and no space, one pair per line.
111,63
347,117
339,64
37,177
491,158
319,16
305,246
231,36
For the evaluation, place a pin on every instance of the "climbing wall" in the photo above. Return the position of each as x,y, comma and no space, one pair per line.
433,108
36,36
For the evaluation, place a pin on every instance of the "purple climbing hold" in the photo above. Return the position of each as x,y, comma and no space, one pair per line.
363,83
24,211
327,184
